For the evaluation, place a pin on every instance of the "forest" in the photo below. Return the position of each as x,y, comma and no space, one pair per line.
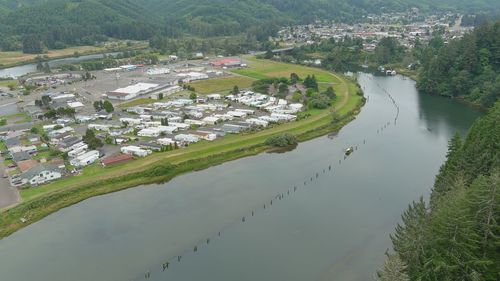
456,236
38,24
467,68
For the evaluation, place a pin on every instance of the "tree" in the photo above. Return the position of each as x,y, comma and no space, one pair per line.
269,54
98,105
294,78
235,90
193,96
330,92
409,239
91,140
32,44
393,270
108,106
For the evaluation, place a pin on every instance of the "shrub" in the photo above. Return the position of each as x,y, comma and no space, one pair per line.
281,140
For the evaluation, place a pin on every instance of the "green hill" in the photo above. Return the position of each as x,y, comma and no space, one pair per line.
71,22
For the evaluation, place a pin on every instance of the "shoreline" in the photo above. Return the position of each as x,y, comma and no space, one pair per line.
166,166
80,54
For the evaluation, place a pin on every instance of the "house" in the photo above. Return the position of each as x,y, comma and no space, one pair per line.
66,144
205,135
113,160
187,138
257,122
135,150
210,120
165,141
151,146
26,165
78,150
85,159
20,156
149,132
40,174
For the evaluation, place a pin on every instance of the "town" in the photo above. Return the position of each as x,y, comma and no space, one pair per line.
407,27
115,114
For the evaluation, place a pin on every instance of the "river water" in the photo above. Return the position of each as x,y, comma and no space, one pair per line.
330,217
17,71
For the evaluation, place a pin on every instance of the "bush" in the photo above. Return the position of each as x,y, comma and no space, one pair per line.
281,140
319,101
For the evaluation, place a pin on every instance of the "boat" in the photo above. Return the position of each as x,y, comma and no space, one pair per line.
349,150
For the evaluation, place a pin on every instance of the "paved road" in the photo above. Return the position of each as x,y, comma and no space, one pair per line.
8,194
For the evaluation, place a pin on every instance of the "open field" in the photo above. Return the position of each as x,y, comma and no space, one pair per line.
96,180
260,69
6,83
221,84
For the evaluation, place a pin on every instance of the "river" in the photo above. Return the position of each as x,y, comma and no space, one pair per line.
17,71
330,217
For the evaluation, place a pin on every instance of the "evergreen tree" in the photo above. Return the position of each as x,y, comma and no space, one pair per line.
393,270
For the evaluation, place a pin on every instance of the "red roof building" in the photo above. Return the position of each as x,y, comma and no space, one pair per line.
116,159
226,62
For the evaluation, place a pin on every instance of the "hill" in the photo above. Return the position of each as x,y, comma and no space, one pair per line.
56,23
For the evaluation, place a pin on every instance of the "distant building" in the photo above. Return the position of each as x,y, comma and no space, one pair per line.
131,92
226,62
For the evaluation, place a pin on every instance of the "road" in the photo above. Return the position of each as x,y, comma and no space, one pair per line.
8,194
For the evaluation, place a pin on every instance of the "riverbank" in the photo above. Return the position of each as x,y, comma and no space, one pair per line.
17,58
42,201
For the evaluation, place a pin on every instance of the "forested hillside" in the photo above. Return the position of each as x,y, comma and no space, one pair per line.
457,235
56,23
468,68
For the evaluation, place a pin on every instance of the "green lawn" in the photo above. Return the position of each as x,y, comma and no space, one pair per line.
6,83
259,69
221,84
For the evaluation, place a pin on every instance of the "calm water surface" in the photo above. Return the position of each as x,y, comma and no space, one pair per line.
336,227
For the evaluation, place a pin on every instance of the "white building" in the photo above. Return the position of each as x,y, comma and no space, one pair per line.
158,71
131,92
165,141
210,120
257,122
135,150
149,132
85,159
205,135
186,138
41,174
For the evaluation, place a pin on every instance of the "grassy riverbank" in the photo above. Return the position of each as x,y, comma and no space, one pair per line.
95,180
18,58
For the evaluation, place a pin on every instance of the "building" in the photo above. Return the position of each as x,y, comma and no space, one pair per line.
186,138
205,135
158,71
26,165
226,62
131,92
41,174
135,150
113,160
85,159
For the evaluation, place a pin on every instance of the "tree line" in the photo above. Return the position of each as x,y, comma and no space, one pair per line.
456,236
467,68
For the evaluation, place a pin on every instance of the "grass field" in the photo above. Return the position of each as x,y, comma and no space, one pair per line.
6,83
260,69
95,180
221,84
